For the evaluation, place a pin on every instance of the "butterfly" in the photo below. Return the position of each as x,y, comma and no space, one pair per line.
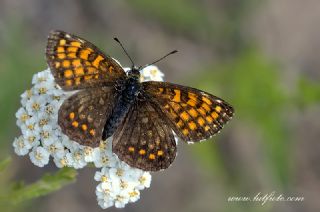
143,117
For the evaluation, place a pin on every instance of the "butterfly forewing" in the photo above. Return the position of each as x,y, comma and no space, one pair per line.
193,114
144,140
83,115
76,63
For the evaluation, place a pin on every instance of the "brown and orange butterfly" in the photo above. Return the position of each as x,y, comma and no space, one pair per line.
142,117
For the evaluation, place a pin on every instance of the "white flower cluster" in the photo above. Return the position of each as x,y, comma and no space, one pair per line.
42,138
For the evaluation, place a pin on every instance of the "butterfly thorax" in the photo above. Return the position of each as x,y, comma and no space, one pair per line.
127,91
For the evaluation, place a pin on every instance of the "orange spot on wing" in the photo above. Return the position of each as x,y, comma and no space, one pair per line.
192,125
62,42
160,90
180,123
206,107
75,124
84,54
97,61
206,128
79,71
202,111
206,100
68,73
218,109
71,115
214,115
76,63
61,55
72,55
201,121
91,70
152,156
176,107
131,149
185,132
86,78
160,153
72,49
142,152
57,64
75,43
191,102
77,80
184,115
177,95
84,127
60,49
193,112
209,119
92,132
66,63
68,82
192,96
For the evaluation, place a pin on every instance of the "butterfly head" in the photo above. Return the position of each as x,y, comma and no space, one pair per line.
134,72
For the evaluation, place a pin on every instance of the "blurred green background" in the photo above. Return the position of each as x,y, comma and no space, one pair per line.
260,56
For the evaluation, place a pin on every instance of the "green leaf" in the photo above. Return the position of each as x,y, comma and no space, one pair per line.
47,184
308,92
4,163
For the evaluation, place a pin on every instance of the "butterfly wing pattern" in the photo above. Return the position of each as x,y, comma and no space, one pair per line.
145,116
83,115
194,115
77,64
144,140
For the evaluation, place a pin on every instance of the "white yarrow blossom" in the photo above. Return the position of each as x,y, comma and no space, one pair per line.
42,138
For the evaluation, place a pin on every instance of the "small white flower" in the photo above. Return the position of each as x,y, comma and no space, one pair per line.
56,149
43,88
39,156
41,77
46,133
103,193
144,180
103,158
120,200
78,159
134,195
32,139
63,160
22,116
21,147
30,125
25,97
152,73
88,154
103,175
35,104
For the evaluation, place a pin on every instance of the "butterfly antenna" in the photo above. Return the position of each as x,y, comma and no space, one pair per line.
125,51
170,53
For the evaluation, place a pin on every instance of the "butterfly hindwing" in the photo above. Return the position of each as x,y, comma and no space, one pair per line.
144,140
82,116
193,114
76,63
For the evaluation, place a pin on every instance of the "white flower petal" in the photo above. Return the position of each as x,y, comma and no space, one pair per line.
21,146
39,156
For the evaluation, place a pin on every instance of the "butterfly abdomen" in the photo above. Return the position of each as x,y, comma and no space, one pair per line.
126,98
